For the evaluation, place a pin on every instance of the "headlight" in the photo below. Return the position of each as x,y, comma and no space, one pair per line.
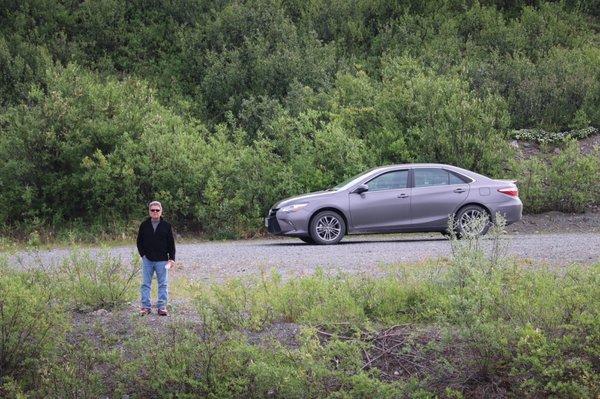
293,208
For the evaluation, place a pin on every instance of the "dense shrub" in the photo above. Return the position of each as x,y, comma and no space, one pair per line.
31,325
23,64
96,151
559,91
565,182
251,50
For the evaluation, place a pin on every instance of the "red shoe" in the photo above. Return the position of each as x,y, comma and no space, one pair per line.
163,312
145,311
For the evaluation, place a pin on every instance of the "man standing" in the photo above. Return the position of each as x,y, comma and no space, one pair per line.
156,246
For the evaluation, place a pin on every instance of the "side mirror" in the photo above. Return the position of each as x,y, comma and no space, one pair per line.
361,189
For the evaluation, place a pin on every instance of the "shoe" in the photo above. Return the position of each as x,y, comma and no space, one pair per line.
145,311
163,312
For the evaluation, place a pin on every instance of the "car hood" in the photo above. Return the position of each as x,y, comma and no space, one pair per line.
302,198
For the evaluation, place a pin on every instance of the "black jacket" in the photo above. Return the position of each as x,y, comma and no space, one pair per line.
156,245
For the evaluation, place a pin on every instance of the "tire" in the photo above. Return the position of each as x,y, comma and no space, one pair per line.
327,228
307,240
472,221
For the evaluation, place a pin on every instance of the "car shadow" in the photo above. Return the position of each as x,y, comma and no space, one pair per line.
397,240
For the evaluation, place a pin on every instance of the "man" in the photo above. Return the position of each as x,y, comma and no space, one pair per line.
156,246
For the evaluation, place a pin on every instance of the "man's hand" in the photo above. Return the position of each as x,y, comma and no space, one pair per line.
170,264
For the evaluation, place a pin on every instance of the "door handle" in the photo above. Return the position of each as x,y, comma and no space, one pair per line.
460,190
402,195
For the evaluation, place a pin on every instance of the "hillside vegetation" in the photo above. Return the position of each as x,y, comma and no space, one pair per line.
219,109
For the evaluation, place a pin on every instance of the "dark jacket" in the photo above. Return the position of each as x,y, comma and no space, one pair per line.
156,245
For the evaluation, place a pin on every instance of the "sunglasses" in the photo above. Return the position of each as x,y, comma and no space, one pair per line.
155,210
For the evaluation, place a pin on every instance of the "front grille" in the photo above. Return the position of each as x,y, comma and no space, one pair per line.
273,225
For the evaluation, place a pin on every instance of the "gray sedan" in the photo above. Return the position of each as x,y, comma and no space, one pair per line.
397,198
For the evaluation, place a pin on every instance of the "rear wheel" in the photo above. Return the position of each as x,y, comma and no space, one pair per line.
472,221
327,228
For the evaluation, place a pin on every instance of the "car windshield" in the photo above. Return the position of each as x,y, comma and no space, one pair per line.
351,181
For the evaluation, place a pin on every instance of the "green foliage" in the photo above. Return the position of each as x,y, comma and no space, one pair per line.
92,283
543,137
317,300
83,371
31,325
417,115
222,365
249,50
530,332
106,105
22,65
566,182
555,91
535,331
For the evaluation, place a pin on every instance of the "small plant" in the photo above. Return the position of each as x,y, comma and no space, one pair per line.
101,283
470,243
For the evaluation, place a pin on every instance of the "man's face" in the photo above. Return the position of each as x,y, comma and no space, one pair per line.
155,212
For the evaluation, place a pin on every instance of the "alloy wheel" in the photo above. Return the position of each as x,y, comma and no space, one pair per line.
328,228
473,222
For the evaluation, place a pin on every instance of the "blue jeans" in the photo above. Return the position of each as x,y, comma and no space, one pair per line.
162,275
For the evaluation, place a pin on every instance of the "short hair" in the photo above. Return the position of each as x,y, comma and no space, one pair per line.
155,203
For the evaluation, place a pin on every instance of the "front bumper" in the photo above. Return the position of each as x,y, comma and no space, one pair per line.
294,224
271,222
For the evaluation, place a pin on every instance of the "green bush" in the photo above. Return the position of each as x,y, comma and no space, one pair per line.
564,182
32,323
97,282
418,115
317,300
554,93
80,369
23,64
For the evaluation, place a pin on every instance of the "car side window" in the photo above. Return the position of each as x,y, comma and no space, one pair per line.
427,177
389,181
454,179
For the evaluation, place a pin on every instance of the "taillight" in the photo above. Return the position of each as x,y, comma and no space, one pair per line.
510,191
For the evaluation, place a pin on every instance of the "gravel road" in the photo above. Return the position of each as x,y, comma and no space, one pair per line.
216,261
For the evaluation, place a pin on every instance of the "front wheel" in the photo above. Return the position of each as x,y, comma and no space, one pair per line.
327,228
472,221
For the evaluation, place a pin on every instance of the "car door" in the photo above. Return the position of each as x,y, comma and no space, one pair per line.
436,194
386,204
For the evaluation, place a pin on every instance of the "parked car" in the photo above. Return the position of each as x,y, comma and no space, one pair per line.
397,198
